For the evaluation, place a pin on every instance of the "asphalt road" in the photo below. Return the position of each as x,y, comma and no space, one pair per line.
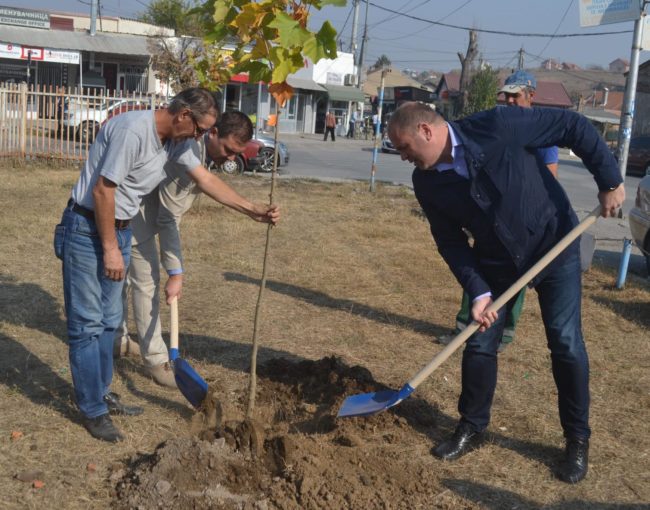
345,159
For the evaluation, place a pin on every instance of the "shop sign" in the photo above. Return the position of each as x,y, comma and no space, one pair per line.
32,19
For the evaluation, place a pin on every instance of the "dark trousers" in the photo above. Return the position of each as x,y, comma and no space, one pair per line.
329,130
559,294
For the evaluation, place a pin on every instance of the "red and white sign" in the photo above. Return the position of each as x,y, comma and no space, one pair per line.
37,53
18,52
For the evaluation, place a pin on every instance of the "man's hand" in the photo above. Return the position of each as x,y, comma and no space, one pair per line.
485,319
173,287
114,264
611,201
265,213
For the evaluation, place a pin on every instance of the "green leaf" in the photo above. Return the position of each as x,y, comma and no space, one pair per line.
221,8
286,67
257,71
290,33
322,44
335,3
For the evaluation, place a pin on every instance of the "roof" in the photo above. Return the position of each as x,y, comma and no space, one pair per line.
614,100
302,83
341,93
601,116
121,44
450,82
392,79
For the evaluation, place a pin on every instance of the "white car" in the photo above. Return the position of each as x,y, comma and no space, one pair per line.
82,120
640,219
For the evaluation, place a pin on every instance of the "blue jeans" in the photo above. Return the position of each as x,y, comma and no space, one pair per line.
93,306
559,294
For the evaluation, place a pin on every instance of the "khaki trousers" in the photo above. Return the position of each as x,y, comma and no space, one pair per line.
142,290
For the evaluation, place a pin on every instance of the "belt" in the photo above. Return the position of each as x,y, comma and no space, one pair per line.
89,214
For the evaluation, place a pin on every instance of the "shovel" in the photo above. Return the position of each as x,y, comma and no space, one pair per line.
191,384
371,403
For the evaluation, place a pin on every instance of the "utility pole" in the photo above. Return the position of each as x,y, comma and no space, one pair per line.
93,17
625,127
627,113
375,150
355,23
364,45
520,65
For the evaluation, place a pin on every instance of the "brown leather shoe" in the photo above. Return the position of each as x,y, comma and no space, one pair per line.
463,441
163,374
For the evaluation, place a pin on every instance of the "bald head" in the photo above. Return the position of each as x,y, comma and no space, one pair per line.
420,135
409,115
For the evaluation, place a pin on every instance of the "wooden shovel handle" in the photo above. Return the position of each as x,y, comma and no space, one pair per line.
173,335
505,297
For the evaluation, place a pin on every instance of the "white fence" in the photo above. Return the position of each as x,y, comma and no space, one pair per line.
57,124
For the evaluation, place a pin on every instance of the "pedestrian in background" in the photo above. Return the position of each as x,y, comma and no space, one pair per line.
330,124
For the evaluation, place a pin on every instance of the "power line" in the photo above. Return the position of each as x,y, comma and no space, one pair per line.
401,12
557,28
345,23
425,28
498,32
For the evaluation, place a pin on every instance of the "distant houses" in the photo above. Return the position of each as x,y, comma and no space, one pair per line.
620,65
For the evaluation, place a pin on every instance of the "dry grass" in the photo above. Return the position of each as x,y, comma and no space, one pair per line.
351,274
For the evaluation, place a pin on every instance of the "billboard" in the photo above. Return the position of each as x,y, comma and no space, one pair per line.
602,12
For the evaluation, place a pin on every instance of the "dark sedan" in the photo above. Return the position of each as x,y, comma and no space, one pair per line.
638,158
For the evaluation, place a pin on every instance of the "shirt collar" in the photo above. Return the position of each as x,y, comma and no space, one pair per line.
456,144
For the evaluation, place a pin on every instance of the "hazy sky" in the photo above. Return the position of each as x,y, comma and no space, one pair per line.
418,45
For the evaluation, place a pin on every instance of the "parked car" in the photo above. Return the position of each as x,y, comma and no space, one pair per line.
638,157
83,119
242,162
387,145
640,219
258,156
268,150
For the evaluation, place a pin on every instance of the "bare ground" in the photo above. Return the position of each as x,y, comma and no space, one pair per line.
354,281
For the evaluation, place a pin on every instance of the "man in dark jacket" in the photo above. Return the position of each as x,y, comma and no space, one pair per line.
481,174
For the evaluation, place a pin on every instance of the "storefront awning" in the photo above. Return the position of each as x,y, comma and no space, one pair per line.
301,83
341,93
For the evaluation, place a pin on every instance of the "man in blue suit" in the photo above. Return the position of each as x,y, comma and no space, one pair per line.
481,174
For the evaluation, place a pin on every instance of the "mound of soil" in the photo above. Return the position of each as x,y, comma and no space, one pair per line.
295,454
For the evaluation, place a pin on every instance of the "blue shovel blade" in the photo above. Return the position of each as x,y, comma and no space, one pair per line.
371,403
191,384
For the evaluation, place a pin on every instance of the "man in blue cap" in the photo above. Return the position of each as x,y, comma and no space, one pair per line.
519,90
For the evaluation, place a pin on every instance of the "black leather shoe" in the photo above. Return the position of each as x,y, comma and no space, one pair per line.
116,407
102,428
463,441
575,463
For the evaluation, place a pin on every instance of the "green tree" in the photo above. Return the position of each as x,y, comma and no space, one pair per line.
482,91
180,15
382,61
271,41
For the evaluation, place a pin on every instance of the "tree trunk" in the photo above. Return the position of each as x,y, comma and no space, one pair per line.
466,68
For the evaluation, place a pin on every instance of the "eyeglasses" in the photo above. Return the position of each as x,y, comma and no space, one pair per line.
198,130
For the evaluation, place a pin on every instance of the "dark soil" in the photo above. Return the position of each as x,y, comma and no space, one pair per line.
296,454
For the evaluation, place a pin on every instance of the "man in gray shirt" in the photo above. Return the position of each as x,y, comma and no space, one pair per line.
94,238
160,215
